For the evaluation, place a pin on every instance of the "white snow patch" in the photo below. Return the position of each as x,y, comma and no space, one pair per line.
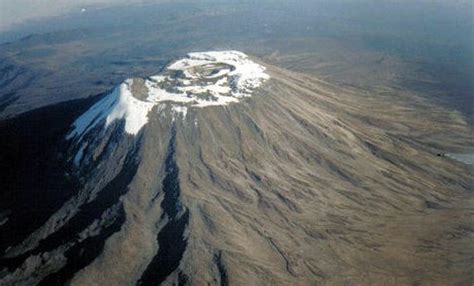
120,104
180,110
133,110
207,79
239,76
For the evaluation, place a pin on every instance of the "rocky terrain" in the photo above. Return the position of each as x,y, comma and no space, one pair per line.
224,169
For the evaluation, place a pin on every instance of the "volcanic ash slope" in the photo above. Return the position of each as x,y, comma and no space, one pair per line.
224,171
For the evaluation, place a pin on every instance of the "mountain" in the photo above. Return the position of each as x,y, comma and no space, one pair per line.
223,169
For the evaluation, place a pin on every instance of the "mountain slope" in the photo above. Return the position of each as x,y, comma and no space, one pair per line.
286,180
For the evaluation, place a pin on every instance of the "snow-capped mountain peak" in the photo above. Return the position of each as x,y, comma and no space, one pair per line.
198,80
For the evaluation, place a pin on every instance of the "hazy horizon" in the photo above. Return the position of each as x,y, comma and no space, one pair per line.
19,12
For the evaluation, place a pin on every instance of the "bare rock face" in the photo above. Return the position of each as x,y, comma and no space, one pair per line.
222,170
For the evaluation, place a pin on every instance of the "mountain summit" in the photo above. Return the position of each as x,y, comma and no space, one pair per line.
199,80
